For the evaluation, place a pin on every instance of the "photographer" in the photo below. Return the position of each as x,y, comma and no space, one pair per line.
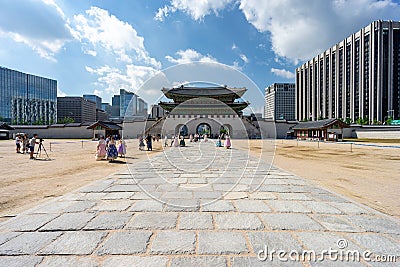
32,144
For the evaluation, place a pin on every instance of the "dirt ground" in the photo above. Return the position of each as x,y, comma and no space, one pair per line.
25,183
368,175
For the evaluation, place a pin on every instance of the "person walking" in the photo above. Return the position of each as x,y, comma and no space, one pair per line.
141,144
121,147
149,143
25,144
166,141
18,142
112,152
227,143
101,151
176,141
32,144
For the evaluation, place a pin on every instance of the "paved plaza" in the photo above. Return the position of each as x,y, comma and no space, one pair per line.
198,206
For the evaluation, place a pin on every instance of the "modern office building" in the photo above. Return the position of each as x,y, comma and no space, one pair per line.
106,107
358,77
128,105
76,108
26,98
94,98
115,106
141,108
280,102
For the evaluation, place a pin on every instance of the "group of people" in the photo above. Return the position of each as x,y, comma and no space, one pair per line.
110,148
24,144
149,142
227,142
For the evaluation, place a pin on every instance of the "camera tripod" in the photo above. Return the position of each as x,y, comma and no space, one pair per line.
39,150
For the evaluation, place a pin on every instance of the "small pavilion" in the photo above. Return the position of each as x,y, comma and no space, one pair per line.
5,131
328,130
105,128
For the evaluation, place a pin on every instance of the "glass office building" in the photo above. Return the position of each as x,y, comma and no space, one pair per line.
358,78
26,98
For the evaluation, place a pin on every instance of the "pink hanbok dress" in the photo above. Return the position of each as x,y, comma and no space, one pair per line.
101,150
227,143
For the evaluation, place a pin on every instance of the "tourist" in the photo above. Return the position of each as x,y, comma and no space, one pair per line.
101,151
166,141
182,142
219,143
107,140
205,138
25,144
141,143
149,143
18,141
191,138
172,141
112,152
176,141
227,143
32,144
121,147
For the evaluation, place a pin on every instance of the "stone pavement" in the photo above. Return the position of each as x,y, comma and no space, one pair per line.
198,206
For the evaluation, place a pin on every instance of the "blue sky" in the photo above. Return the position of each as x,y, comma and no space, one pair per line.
101,46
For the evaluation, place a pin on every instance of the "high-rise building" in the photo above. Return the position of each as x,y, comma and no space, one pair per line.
141,108
106,107
280,102
115,106
94,98
128,105
358,78
26,98
76,108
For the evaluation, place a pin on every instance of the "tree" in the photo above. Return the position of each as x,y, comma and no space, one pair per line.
66,120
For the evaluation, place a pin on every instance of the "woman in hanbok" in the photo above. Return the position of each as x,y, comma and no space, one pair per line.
219,143
176,141
112,152
227,143
141,143
121,148
101,152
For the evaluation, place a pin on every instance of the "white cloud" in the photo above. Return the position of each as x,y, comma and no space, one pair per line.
303,28
130,78
189,55
283,73
44,27
99,28
299,29
194,8
244,58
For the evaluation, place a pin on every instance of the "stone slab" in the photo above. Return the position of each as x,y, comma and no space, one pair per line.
74,243
69,221
290,221
195,221
109,221
217,243
238,221
153,220
125,243
27,243
174,242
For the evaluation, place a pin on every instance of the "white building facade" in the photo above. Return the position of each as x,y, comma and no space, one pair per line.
358,77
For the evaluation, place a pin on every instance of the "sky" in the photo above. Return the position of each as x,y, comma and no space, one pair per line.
98,47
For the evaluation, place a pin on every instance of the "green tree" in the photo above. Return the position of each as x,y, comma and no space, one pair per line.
389,120
66,120
348,121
